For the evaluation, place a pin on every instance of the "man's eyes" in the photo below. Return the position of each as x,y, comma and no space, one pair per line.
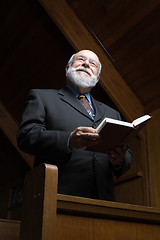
81,59
92,62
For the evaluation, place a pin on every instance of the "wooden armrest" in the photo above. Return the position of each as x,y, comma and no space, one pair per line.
39,203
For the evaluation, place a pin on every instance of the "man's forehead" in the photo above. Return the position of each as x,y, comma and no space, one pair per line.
88,54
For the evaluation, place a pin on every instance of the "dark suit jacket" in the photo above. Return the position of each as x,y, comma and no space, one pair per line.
49,118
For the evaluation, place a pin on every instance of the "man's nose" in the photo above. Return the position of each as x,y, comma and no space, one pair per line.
86,63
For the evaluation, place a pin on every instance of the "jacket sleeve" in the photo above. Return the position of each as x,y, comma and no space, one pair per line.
124,166
33,136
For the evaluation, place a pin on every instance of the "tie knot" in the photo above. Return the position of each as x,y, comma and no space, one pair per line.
81,96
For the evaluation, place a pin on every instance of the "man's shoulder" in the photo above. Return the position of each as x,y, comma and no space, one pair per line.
108,110
104,105
44,95
108,107
43,92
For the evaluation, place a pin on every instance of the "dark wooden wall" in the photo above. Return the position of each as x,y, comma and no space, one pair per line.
129,32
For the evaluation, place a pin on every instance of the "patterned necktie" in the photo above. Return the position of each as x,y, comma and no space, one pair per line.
86,104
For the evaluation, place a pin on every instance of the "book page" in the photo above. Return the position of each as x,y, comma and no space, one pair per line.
113,121
140,120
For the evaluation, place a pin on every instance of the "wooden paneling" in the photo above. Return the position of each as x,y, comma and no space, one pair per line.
80,218
51,216
9,230
153,131
79,227
135,185
80,38
129,32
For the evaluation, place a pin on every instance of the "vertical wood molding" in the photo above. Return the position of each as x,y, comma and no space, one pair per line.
153,139
80,38
40,204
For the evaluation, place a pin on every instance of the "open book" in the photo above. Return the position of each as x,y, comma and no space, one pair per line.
115,132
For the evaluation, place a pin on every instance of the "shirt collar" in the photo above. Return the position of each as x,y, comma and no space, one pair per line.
76,93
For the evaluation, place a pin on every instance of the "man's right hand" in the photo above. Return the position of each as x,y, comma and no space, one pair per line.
83,137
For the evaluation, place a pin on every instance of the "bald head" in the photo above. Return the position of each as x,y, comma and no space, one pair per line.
89,54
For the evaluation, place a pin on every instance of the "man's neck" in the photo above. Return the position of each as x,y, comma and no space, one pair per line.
81,90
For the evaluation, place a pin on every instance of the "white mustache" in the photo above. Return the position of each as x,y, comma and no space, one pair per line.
83,69
81,81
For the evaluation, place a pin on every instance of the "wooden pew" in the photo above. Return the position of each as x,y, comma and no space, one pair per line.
47,215
9,229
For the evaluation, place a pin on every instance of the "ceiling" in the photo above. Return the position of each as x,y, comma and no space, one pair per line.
129,32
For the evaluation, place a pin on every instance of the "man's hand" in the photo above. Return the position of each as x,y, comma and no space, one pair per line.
116,156
83,137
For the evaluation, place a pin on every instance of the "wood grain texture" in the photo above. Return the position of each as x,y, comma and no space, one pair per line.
80,38
87,228
129,33
39,204
95,219
153,132
9,230
79,218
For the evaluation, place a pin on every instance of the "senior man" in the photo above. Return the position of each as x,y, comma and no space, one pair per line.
57,126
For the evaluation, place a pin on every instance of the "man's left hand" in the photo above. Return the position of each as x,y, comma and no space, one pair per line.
116,156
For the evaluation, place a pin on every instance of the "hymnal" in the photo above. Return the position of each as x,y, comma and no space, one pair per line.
115,132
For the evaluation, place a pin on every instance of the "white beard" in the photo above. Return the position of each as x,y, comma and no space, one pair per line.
81,81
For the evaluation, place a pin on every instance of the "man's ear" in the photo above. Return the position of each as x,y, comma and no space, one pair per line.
98,78
67,68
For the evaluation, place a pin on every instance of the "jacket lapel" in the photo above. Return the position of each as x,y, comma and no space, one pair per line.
99,114
67,96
